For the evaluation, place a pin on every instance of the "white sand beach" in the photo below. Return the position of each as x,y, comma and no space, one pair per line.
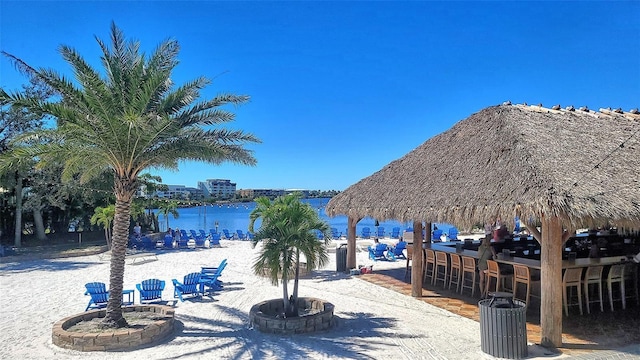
372,322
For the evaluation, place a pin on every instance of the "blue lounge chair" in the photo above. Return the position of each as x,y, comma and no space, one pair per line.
227,235
395,252
189,286
453,233
215,239
435,236
184,235
241,235
168,241
250,235
366,232
380,232
377,252
150,290
395,233
99,295
183,243
202,234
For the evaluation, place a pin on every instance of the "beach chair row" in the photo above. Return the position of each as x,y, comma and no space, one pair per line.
380,233
195,284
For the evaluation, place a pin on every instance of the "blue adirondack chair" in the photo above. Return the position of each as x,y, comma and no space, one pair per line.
366,232
380,232
395,252
395,233
227,235
377,252
189,286
202,234
241,235
209,278
335,234
150,290
453,233
250,236
184,235
99,295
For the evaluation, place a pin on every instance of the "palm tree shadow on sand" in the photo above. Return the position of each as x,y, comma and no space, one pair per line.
350,338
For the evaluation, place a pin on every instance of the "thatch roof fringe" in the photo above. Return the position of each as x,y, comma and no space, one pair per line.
512,160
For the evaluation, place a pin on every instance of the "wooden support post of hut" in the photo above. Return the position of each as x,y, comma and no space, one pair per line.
416,261
551,282
351,243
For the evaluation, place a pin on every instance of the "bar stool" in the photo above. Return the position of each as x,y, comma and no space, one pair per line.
572,278
616,275
429,270
468,267
631,280
522,275
593,276
409,257
456,270
494,271
441,262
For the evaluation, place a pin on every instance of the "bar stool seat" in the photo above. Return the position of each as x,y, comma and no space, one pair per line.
572,278
616,275
409,258
456,271
429,265
522,275
494,272
441,269
631,281
468,267
593,276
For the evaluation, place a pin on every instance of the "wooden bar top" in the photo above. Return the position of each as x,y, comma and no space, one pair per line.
533,263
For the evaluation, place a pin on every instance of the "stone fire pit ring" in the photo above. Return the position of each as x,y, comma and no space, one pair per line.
263,316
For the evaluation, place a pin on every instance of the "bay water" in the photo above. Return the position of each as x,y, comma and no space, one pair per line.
235,216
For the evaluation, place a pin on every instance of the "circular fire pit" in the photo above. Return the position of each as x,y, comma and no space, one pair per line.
316,315
159,327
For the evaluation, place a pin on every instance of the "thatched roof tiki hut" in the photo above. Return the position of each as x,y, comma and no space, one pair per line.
562,169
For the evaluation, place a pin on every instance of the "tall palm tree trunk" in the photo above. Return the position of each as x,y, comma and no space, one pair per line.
18,220
114,316
294,305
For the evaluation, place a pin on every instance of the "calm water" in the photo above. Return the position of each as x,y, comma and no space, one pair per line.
236,217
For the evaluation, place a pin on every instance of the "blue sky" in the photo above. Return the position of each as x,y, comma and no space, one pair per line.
340,89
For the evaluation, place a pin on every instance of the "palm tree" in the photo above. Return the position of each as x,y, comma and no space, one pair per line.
168,207
104,216
127,120
288,230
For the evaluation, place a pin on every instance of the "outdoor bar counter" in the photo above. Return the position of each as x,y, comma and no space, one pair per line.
532,263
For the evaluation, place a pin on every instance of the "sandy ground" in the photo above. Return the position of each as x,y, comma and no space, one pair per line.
372,322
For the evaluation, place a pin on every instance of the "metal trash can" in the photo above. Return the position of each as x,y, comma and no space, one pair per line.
341,258
503,326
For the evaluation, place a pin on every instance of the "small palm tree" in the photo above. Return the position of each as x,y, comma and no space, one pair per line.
122,122
288,230
168,207
104,216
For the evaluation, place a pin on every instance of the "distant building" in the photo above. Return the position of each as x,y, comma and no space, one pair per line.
174,192
195,193
217,188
